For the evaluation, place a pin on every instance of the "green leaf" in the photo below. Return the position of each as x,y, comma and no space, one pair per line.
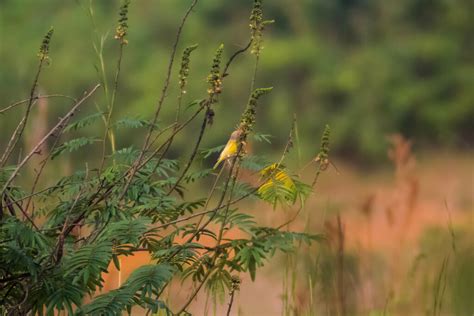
109,304
218,284
74,145
127,231
128,122
262,137
116,261
144,282
84,122
254,163
149,278
205,153
243,221
197,175
88,262
252,268
63,295
193,103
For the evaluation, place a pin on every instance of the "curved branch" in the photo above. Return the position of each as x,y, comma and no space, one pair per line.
58,127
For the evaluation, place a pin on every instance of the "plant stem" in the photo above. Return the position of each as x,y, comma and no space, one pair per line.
21,126
108,132
58,127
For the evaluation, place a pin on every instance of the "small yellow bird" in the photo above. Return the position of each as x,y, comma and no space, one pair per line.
230,148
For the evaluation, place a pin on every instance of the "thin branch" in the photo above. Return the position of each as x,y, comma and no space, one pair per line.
164,89
204,124
111,108
235,163
10,207
58,252
58,127
137,166
19,131
254,77
232,293
38,175
46,96
193,155
219,238
11,142
231,59
44,190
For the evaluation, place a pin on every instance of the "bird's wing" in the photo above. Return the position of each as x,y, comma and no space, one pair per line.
228,151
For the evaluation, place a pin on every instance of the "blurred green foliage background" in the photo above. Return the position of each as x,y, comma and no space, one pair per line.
368,68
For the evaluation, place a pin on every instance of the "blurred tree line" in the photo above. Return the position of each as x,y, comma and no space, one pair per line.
368,68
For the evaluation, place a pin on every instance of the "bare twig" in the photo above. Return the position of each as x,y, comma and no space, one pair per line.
231,59
137,166
58,253
38,174
46,96
340,266
21,126
235,163
145,146
10,144
111,108
58,127
218,242
232,293
10,207
193,155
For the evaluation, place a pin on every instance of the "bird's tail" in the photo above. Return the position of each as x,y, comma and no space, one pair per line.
217,164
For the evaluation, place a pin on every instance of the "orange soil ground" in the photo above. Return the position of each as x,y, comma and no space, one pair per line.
385,211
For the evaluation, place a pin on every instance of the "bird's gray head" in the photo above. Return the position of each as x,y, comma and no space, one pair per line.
235,134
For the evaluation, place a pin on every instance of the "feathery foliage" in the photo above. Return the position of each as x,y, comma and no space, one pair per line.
58,241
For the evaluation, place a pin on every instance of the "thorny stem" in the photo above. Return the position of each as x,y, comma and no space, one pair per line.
208,199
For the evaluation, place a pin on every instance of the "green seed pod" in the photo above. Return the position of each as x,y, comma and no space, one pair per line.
122,28
184,70
44,48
